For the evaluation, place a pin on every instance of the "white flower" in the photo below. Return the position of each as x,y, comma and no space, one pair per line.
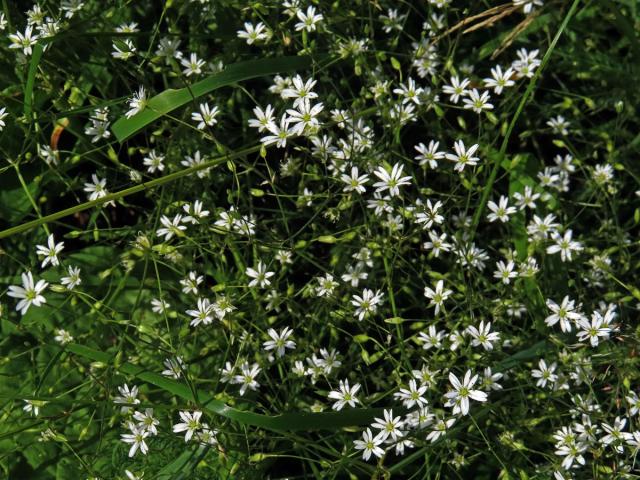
73,279
127,396
254,34
304,119
500,211
153,162
171,227
544,373
355,182
136,439
247,377
146,421
463,391
527,7
309,20
264,119
97,188
193,65
190,424
437,295
463,157
29,293
565,245
50,252
409,92
203,314
345,395
389,426
24,41
260,275
483,335
369,444
63,337
457,89
504,272
413,395
206,116
429,155
593,330
477,102
367,304
194,212
300,90
137,102
391,181
279,341
440,428
563,313
279,133
433,339
174,367
3,115
499,79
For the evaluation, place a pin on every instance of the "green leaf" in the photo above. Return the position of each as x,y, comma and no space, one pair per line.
171,99
31,77
284,422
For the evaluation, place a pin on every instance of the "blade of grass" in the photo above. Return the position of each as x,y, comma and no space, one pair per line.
31,78
171,99
505,142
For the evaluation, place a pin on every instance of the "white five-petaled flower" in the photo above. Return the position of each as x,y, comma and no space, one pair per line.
127,396
203,314
482,335
565,245
279,341
355,182
369,444
367,304
190,424
391,181
389,426
206,116
264,119
300,90
544,373
413,395
29,293
253,34
500,211
171,227
437,295
137,439
463,157
500,79
457,89
345,395
308,20
463,391
50,252
247,377
97,188
146,421
429,155
73,279
476,102
593,330
260,275
564,313
24,41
